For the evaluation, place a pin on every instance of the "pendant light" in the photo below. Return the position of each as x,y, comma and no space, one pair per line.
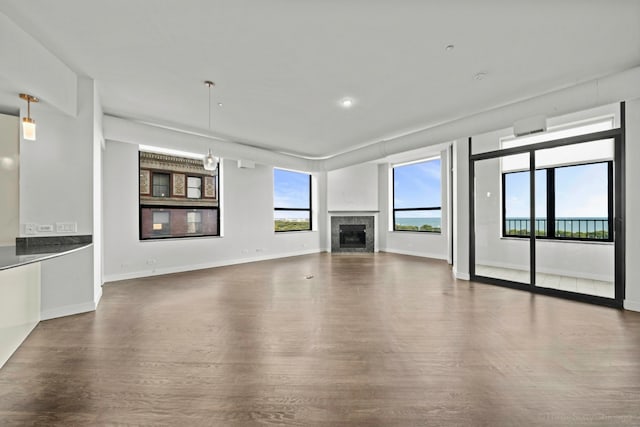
210,162
28,124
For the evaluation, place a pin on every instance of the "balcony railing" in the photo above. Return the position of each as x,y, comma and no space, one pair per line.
569,228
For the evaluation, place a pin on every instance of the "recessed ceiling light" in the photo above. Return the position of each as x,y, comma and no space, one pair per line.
347,102
449,47
480,76
219,104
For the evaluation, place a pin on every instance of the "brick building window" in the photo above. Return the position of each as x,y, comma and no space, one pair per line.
178,197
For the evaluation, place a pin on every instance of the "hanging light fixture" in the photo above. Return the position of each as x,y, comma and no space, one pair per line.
28,124
210,162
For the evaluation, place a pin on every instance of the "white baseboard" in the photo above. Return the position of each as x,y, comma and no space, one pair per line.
98,296
631,305
415,253
192,267
67,310
461,276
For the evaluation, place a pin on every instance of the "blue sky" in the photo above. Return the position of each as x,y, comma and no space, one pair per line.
417,185
290,190
581,192
517,196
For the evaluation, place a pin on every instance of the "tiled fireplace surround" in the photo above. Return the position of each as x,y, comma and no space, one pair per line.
368,219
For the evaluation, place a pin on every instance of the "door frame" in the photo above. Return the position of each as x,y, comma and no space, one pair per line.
618,219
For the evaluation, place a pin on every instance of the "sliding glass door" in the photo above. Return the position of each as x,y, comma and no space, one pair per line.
575,248
547,217
496,257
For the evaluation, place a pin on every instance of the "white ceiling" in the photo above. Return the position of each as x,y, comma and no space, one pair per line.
281,66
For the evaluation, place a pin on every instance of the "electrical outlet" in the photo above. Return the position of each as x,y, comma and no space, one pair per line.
30,228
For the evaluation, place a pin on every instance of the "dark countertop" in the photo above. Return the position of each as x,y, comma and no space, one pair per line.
12,256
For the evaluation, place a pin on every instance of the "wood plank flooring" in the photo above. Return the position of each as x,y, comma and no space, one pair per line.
371,340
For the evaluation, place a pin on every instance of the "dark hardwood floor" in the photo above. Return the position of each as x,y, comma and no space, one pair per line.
372,340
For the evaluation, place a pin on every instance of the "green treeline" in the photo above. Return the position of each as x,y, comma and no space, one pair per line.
281,225
600,234
424,227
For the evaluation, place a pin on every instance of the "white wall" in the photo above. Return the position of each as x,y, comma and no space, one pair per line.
429,245
56,170
461,209
354,188
632,200
322,224
353,191
9,194
66,284
27,65
57,185
97,148
247,214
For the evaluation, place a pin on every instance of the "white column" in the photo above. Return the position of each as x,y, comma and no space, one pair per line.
461,208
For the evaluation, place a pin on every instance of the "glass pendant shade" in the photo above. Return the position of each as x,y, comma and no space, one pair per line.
210,162
29,129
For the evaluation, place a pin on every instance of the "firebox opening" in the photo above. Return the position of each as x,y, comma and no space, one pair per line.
353,236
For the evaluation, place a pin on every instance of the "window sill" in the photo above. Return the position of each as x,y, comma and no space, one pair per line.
174,239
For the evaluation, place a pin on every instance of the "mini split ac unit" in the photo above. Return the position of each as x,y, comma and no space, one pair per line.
530,125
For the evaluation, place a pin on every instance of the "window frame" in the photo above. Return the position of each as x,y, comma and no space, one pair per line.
551,198
187,187
423,208
178,202
280,208
198,223
153,185
163,232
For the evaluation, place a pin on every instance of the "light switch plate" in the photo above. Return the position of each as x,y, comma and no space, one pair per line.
66,227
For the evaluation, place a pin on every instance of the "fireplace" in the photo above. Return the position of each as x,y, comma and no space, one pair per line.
352,234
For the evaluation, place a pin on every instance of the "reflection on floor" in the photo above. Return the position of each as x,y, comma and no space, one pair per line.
553,281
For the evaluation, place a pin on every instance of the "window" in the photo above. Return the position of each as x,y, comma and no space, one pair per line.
417,195
194,187
161,185
194,222
583,194
516,203
291,200
178,197
573,202
161,222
